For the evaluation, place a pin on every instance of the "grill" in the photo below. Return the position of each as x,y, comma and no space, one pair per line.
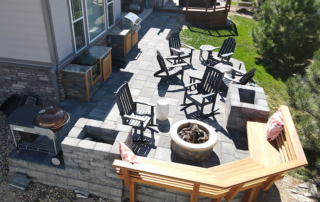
39,129
131,21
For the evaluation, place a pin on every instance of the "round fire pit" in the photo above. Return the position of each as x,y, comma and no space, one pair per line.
191,151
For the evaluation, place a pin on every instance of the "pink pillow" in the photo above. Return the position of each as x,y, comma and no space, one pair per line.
126,154
274,126
176,53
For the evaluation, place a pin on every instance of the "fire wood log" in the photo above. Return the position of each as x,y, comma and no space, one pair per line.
193,134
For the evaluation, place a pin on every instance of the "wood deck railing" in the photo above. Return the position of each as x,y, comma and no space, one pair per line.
268,163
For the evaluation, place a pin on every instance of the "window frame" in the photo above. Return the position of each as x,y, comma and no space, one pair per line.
105,22
106,7
72,25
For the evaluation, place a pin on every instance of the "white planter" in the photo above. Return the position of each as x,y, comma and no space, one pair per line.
162,110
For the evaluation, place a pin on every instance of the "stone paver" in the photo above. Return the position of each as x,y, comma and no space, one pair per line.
141,65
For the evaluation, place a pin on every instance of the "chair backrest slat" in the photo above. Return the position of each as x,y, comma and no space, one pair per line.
211,80
228,46
162,63
174,41
247,76
124,99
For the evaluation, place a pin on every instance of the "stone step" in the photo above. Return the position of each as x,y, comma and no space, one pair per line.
20,181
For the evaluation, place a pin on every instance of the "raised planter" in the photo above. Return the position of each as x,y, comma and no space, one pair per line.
190,151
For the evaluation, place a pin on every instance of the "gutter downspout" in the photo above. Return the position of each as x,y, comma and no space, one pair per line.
52,46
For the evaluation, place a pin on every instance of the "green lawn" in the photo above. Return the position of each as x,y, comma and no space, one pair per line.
271,79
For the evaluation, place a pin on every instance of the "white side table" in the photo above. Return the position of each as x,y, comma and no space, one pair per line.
162,109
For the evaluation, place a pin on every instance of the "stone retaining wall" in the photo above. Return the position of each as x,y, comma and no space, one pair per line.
244,102
88,165
28,80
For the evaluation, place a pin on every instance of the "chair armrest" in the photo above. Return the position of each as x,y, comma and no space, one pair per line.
231,79
144,103
178,51
238,71
191,84
171,57
132,117
190,47
177,65
227,54
208,95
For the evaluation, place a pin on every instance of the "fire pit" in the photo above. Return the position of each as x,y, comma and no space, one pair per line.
192,151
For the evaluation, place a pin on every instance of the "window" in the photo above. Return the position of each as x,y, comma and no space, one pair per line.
96,18
77,24
110,13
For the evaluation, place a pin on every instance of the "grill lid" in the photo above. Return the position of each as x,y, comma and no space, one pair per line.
51,117
133,18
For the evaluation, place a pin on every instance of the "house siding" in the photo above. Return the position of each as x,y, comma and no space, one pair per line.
22,31
117,10
61,28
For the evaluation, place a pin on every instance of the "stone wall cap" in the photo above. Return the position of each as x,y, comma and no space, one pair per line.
81,122
69,141
86,144
102,148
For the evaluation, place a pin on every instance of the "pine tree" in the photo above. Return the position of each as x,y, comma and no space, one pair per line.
288,32
305,99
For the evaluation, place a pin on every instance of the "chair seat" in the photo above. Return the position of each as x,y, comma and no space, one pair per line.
145,115
197,97
174,70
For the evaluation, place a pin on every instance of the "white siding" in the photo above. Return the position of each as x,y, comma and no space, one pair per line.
61,28
22,31
117,10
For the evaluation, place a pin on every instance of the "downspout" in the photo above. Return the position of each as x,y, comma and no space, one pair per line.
52,46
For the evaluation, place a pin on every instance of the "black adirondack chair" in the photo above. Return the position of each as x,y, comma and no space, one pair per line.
169,70
175,48
129,113
206,90
225,53
242,78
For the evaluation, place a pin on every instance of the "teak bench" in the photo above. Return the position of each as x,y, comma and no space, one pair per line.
268,162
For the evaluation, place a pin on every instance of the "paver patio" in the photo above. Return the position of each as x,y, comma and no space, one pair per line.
141,65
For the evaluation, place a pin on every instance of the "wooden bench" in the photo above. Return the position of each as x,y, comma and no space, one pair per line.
268,162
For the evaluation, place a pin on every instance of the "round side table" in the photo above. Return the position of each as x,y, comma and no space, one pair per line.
162,109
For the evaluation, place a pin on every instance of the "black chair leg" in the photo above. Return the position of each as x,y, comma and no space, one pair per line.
141,134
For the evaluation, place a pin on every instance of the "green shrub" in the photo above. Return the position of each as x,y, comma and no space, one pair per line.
305,99
288,33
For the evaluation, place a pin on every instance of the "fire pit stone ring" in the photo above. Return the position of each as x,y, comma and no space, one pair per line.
190,151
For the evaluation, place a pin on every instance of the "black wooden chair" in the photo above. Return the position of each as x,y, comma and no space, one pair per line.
206,90
129,113
175,48
225,52
242,77
170,70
